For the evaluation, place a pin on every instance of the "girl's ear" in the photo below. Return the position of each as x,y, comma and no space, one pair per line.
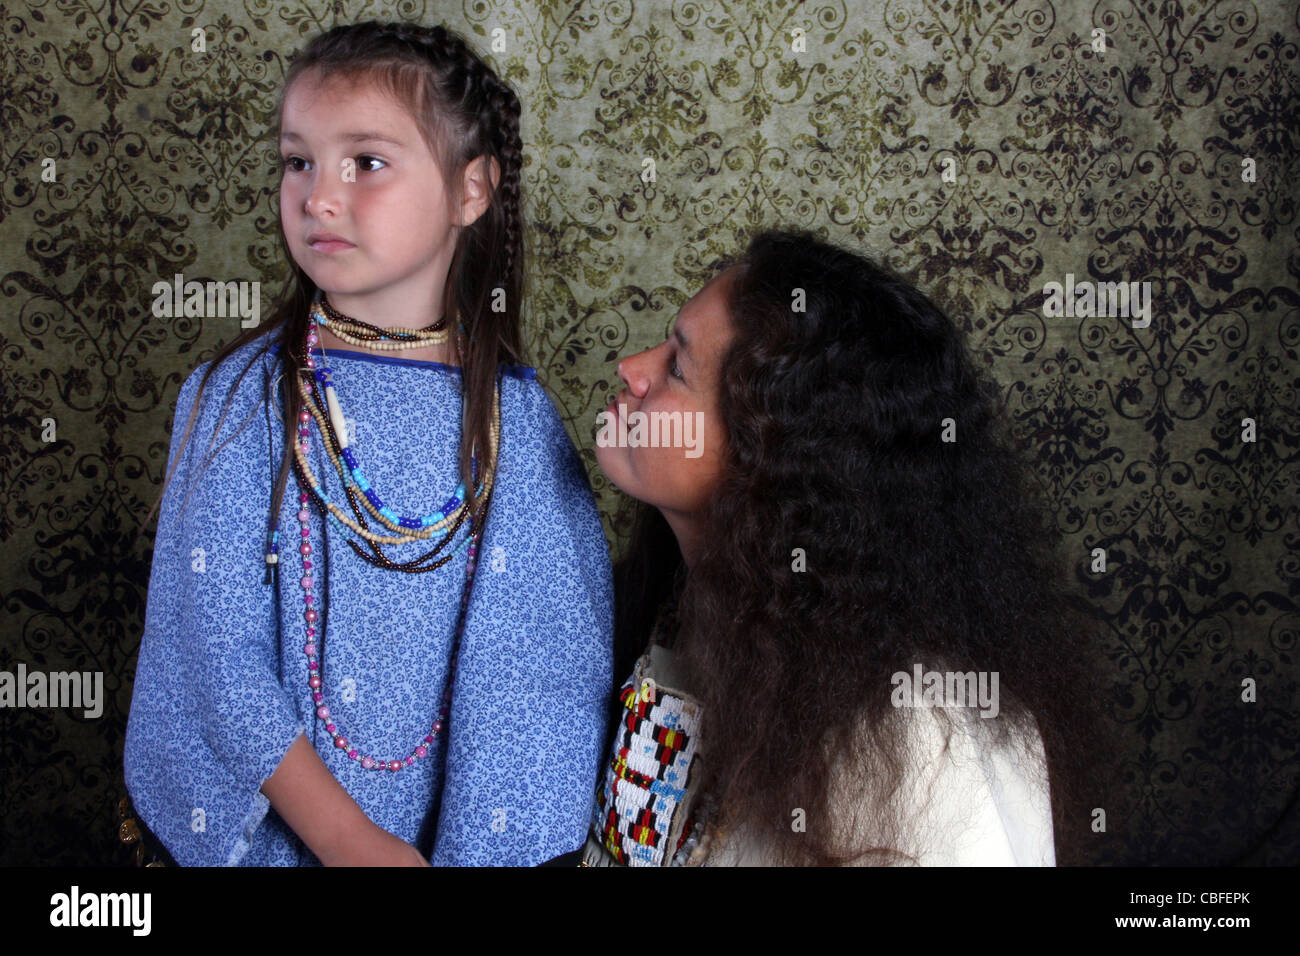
478,185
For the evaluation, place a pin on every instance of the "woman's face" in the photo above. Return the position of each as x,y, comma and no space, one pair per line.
662,440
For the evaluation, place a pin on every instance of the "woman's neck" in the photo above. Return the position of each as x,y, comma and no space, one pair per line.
686,528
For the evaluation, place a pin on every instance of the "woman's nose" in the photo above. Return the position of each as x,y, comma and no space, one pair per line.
632,371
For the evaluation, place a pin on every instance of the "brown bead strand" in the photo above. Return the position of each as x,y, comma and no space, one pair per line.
373,332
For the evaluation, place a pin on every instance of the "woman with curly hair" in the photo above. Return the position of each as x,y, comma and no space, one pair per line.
850,519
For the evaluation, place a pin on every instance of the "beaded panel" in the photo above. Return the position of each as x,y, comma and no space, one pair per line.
645,780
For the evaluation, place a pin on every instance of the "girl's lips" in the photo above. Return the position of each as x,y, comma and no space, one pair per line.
330,245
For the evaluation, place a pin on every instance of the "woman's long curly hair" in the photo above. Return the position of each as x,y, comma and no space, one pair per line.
915,550
464,111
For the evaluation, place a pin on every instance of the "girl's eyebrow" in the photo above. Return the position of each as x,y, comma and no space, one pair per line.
362,137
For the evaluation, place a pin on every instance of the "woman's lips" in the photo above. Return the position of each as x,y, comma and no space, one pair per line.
330,245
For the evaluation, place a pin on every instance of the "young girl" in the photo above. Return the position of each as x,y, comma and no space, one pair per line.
406,656
823,540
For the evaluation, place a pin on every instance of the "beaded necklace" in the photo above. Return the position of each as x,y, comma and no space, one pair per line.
361,496
355,332
315,683
452,515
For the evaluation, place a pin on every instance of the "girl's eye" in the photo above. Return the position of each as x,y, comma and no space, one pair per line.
286,163
673,370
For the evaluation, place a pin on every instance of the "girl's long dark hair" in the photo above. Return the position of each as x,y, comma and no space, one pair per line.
917,550
464,111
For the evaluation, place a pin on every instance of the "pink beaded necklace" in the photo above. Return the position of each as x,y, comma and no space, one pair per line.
310,616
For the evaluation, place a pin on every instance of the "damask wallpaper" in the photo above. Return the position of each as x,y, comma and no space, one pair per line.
985,149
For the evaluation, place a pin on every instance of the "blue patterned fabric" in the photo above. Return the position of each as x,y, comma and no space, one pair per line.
220,688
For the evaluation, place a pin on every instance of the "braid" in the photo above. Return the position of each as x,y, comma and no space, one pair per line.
497,110
503,120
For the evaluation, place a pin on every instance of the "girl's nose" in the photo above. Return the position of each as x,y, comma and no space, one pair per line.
325,195
317,205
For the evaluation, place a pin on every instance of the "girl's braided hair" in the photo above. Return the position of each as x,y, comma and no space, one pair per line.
464,110
474,101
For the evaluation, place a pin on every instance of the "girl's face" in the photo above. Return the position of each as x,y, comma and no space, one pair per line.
357,168
676,380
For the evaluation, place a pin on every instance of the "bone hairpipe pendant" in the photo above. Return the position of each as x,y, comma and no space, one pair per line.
336,417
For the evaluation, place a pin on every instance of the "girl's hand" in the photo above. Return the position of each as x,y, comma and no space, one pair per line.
327,819
376,847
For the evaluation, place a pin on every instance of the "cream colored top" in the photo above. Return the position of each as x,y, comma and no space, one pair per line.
970,804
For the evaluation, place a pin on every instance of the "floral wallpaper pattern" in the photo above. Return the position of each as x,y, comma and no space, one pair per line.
985,149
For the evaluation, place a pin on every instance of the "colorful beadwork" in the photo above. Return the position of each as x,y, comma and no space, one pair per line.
314,681
646,780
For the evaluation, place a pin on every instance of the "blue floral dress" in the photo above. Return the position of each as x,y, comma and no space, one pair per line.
221,684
